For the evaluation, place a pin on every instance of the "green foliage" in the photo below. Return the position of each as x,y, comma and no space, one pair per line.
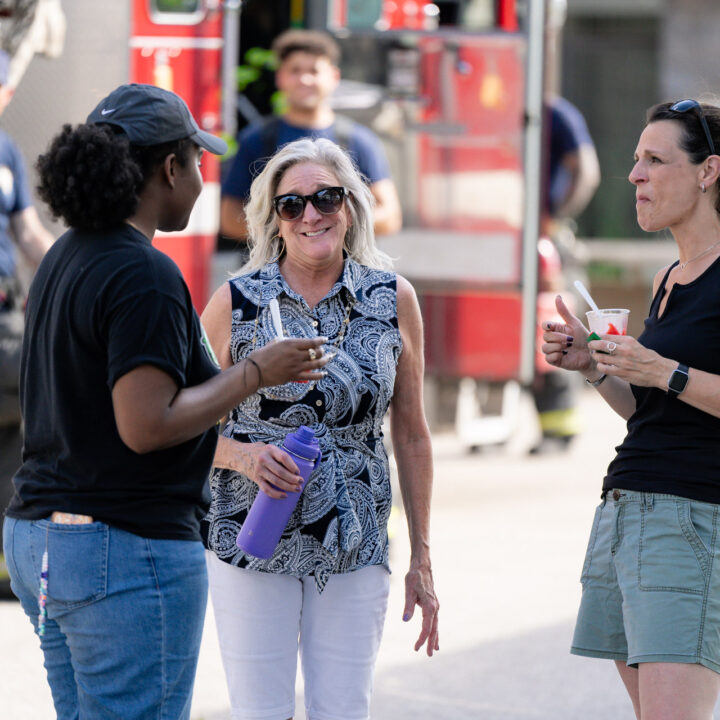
259,64
232,145
261,58
244,75
258,61
278,102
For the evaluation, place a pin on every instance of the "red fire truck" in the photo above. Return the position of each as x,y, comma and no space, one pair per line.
177,45
460,110
465,81
462,83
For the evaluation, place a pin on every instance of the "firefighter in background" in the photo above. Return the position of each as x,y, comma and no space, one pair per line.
574,175
307,74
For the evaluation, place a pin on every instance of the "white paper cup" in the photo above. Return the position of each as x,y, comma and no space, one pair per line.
612,321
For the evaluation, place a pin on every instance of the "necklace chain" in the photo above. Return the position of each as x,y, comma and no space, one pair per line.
335,345
704,252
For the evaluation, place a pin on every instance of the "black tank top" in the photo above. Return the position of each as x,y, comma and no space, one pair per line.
670,446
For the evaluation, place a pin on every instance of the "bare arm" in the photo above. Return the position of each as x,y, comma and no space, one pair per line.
633,363
152,413
232,217
583,172
702,390
413,451
387,215
30,235
267,465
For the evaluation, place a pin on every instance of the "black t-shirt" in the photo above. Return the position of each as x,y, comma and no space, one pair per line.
102,304
672,447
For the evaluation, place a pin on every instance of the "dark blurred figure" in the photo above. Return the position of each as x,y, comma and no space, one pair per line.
574,175
20,228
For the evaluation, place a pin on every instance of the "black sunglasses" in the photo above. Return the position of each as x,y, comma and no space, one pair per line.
327,201
685,105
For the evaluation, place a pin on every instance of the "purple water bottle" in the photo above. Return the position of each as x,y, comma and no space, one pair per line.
268,517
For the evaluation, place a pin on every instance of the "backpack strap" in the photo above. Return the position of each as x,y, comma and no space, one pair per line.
270,132
344,128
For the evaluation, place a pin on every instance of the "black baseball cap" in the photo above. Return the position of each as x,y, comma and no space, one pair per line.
149,115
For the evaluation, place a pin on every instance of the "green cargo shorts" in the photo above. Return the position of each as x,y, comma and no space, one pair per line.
651,581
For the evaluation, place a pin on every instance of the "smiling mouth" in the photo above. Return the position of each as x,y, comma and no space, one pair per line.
315,233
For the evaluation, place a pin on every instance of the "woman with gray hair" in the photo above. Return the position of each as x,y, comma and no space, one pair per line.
324,590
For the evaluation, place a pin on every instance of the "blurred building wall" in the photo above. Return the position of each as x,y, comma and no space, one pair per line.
689,65
612,55
618,58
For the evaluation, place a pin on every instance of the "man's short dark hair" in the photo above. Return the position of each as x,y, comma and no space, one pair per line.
314,42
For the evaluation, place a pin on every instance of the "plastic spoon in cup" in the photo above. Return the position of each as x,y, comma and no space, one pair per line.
277,322
586,296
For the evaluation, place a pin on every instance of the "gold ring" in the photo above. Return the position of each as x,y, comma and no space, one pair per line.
312,353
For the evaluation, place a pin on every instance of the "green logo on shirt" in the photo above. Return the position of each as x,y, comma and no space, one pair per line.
208,347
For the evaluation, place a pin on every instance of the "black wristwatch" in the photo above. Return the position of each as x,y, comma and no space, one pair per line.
678,380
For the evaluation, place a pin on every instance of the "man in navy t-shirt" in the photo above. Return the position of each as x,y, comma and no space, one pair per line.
307,74
20,226
574,175
574,167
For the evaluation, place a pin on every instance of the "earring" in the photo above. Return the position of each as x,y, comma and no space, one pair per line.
703,188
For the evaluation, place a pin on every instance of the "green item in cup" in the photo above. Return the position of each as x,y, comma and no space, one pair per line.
593,336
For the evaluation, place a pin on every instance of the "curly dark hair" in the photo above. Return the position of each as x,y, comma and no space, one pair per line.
92,177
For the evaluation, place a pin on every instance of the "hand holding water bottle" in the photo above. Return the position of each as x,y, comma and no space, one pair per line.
269,516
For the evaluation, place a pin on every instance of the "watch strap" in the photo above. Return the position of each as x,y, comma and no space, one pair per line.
595,383
678,380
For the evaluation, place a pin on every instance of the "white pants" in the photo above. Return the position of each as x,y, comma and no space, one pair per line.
263,619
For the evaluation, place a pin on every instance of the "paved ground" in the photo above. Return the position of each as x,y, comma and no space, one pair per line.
509,535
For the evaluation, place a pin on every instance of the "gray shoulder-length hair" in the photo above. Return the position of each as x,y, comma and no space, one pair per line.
262,222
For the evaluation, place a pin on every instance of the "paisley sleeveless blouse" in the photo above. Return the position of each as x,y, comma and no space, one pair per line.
340,522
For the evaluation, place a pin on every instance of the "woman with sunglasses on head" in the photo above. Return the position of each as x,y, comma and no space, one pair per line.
120,395
651,579
324,590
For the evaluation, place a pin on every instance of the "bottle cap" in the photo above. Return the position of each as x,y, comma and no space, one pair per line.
303,443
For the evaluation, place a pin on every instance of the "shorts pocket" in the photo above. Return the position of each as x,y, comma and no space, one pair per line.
77,562
584,576
673,555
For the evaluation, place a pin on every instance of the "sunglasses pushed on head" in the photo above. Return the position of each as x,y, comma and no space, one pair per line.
683,106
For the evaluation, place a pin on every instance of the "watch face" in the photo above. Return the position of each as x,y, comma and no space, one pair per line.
678,381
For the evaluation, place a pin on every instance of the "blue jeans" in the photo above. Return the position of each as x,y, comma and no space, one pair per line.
124,617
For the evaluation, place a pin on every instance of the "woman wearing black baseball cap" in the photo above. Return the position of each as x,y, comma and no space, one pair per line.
121,394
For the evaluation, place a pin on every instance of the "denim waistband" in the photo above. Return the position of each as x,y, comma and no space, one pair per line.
621,496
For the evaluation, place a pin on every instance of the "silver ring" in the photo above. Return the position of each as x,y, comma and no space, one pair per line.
312,353
611,347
